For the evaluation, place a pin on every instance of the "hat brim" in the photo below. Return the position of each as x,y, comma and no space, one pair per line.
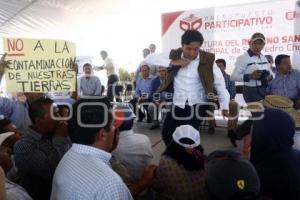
259,38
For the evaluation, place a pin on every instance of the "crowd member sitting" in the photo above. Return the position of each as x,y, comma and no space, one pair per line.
85,172
137,74
89,85
156,100
180,173
12,190
142,92
133,150
287,80
38,153
272,153
229,176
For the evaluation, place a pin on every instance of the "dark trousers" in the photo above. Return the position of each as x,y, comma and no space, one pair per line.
138,112
171,123
112,80
253,94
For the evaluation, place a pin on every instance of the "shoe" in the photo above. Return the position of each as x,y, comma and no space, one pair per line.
154,126
149,121
211,130
232,136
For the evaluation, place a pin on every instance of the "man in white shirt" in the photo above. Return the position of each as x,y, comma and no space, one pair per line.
112,76
193,77
253,69
85,171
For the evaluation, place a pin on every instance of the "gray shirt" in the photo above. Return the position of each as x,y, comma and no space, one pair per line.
90,86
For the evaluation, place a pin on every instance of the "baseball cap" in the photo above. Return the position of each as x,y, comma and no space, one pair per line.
258,36
122,114
4,136
186,132
231,176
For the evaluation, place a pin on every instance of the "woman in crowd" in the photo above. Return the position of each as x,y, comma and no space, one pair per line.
180,173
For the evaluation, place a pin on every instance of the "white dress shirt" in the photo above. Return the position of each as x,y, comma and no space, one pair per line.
188,86
109,66
85,173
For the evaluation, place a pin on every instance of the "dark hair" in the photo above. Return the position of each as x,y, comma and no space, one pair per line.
36,108
145,66
127,125
103,52
279,58
4,122
87,65
191,36
221,60
179,154
90,114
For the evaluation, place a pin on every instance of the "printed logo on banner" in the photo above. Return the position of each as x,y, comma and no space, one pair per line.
291,15
190,23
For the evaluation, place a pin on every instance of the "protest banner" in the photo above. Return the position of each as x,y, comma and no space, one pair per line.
39,65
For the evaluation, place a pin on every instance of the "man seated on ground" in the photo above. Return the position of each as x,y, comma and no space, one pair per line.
142,93
230,176
85,171
133,150
89,85
287,80
38,153
12,190
156,98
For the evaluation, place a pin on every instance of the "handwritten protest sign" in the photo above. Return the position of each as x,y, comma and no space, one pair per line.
39,65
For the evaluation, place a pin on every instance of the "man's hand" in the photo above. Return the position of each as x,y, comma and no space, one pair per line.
181,62
149,173
98,68
142,99
225,113
255,75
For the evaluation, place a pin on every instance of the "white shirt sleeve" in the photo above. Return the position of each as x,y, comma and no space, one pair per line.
220,86
239,70
159,59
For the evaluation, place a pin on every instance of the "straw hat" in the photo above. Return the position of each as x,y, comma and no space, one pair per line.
284,104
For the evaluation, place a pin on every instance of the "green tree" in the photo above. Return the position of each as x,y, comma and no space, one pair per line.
124,75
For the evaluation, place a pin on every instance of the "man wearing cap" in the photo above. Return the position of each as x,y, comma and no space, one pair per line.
193,77
287,80
230,176
253,69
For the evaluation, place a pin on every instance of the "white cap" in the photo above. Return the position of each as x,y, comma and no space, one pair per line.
186,131
4,136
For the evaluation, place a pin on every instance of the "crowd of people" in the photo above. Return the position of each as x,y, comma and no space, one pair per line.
90,151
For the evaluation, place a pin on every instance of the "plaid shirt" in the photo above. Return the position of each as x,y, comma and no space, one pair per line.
36,158
230,85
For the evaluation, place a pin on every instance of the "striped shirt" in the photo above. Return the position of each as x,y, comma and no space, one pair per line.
248,63
85,173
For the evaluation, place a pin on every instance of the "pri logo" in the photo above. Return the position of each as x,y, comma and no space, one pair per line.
190,23
292,15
